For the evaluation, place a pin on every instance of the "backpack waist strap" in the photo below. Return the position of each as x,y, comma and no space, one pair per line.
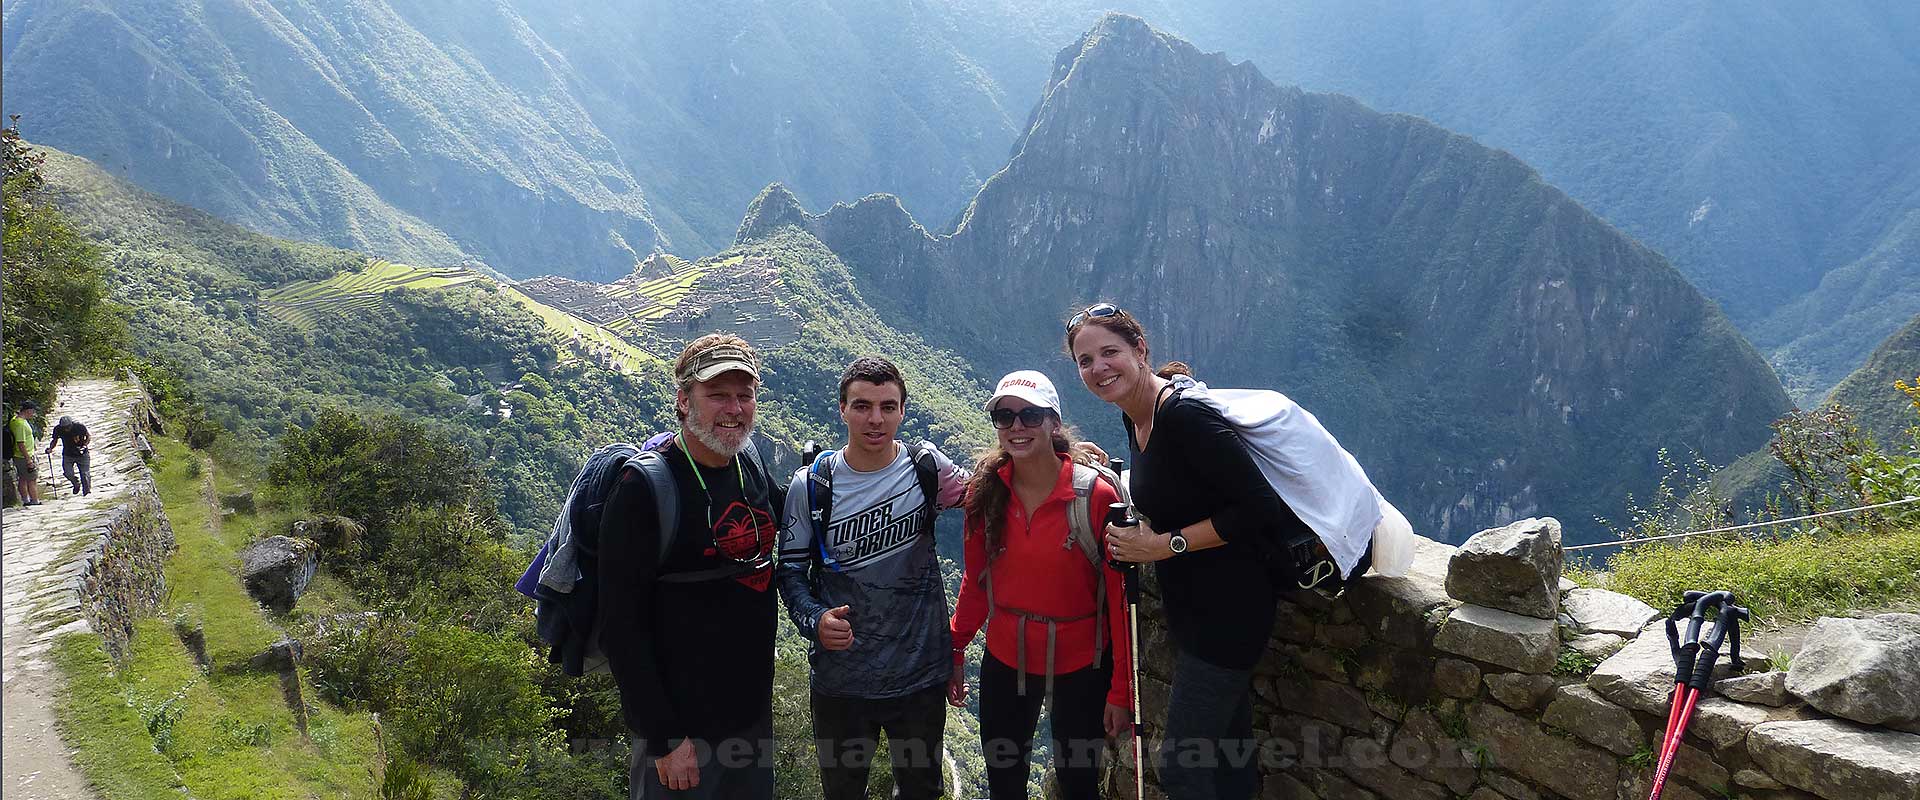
1053,632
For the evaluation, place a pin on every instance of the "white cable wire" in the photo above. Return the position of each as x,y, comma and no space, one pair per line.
1749,525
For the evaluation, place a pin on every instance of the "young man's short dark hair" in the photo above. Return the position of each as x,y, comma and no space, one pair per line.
872,369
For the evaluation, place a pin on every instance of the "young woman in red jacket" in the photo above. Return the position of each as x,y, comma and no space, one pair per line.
1056,618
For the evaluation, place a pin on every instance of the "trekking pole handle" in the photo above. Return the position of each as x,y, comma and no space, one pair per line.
1730,618
1121,515
1700,606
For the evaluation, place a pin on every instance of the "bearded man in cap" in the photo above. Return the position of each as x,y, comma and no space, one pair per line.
689,633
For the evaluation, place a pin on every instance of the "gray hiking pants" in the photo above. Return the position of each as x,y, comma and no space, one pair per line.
83,464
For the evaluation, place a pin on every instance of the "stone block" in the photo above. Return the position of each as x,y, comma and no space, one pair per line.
1861,669
1765,688
1331,785
1509,786
1395,609
1527,644
277,569
1367,764
1601,611
1336,703
1456,678
1576,709
1696,767
1839,760
1640,676
1755,779
1422,747
1724,723
1518,690
1515,568
1597,647
1572,769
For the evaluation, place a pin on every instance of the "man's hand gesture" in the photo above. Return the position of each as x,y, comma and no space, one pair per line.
835,630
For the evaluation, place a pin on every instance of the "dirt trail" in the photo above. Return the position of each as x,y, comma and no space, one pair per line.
37,544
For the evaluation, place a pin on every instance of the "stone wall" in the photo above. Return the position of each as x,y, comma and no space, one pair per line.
119,573
1402,689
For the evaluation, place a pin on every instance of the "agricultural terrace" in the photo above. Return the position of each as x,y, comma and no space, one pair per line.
299,303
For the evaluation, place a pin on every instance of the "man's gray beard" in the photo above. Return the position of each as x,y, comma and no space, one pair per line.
707,434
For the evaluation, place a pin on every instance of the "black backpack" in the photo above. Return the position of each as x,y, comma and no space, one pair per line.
566,620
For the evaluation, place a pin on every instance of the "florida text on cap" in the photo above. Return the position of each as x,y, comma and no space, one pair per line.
1029,385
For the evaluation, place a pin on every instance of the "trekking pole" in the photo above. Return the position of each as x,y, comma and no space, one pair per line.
1683,651
1726,623
1121,515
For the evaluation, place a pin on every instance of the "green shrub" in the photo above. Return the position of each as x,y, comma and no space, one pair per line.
458,688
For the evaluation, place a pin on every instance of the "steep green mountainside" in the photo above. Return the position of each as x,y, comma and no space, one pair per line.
1487,347
1820,337
210,300
1759,149
1879,408
570,137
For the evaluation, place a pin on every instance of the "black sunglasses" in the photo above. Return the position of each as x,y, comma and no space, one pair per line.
1031,416
1098,310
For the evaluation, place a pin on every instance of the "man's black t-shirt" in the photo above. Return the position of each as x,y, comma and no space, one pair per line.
73,439
692,659
1219,601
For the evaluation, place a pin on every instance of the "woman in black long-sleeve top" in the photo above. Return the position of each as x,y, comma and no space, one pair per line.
1211,528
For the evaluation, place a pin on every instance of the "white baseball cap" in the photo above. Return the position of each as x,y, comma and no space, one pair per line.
1028,385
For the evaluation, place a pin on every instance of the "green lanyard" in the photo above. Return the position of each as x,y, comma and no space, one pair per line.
739,475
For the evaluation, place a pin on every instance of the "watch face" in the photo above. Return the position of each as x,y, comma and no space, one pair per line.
1178,544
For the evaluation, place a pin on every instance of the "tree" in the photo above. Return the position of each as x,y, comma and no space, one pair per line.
56,317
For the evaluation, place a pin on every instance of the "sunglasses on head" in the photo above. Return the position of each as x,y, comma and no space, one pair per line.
1031,416
1096,310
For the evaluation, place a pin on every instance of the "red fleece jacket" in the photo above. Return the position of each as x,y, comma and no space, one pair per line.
1042,571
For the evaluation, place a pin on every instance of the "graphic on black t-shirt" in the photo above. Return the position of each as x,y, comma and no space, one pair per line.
747,535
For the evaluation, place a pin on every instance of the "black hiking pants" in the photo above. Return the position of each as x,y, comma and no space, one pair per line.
847,730
1076,713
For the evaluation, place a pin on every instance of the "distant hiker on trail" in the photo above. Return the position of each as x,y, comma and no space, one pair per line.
861,579
689,634
1037,576
1211,525
20,442
75,454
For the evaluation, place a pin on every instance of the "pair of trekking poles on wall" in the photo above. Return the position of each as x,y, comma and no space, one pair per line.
1693,663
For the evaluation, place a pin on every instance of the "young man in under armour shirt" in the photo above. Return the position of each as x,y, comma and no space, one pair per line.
870,597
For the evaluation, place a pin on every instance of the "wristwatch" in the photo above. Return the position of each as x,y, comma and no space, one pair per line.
1178,544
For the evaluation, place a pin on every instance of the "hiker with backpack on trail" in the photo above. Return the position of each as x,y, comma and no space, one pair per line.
76,454
861,579
1222,538
688,629
20,442
1037,576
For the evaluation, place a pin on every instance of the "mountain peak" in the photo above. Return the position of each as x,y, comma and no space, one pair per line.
775,206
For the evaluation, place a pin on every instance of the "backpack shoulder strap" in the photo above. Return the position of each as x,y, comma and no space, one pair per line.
1080,519
1081,522
666,496
927,469
820,500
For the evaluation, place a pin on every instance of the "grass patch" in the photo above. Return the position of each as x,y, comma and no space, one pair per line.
157,722
1782,580
111,744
